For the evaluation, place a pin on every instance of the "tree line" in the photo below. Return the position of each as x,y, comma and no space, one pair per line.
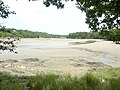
9,32
111,35
85,35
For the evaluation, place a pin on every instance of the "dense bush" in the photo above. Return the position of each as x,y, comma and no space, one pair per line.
114,35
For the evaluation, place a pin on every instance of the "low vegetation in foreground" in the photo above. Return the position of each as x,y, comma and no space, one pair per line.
102,79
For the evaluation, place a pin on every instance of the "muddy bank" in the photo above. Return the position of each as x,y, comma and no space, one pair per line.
75,59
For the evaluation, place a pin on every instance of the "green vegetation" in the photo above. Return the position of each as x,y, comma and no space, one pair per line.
85,35
7,32
4,10
102,79
107,73
113,35
100,14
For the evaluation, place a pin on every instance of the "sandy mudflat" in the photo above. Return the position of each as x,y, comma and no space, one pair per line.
74,56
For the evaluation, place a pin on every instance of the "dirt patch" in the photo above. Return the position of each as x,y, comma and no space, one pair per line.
31,59
9,61
84,42
96,64
77,65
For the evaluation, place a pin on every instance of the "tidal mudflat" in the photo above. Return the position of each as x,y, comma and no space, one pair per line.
73,56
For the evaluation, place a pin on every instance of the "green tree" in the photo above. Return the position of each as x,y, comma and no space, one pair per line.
9,43
114,35
4,10
100,14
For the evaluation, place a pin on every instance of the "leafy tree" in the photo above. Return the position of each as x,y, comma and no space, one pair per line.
4,10
100,14
8,44
114,35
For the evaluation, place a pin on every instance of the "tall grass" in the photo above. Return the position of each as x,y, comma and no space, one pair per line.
8,82
90,81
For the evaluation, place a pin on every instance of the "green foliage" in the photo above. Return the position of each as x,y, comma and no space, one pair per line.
114,35
110,78
8,82
7,32
100,14
90,81
107,73
4,13
8,43
85,35
4,10
57,3
114,84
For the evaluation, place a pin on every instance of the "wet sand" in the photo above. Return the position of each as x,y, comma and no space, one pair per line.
76,57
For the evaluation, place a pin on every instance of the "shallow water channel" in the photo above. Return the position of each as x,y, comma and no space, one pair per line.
109,61
103,58
43,45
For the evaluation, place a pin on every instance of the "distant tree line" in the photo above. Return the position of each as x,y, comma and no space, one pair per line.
8,32
112,35
85,35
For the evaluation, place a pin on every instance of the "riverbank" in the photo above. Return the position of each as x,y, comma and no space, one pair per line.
73,56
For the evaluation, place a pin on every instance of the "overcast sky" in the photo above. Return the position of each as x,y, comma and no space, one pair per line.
35,16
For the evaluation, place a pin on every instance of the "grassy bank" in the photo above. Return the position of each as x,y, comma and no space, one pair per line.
102,79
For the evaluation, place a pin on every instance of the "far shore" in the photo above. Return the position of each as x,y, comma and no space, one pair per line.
76,57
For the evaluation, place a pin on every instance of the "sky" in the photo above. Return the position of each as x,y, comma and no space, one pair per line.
34,16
